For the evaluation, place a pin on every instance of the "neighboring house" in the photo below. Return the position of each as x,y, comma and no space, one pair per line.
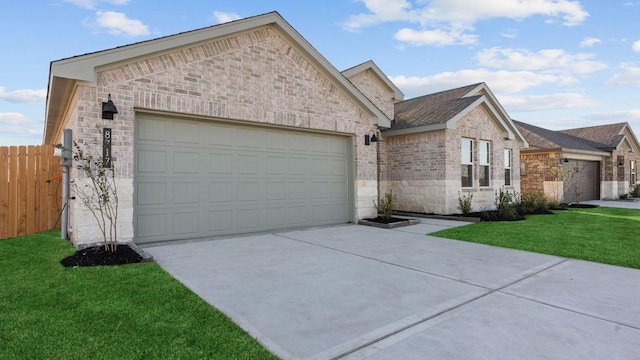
235,128
591,163
449,144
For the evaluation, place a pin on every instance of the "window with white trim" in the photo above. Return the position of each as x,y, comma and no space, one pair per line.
507,167
467,163
484,159
633,173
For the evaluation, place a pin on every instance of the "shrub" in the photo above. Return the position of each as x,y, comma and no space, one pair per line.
464,203
505,204
385,205
624,196
533,203
636,191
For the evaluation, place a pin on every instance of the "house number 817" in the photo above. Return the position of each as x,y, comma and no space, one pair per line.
106,148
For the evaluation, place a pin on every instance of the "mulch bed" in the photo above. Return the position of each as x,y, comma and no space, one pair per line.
98,256
382,220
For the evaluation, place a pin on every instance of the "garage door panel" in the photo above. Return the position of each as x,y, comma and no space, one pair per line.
208,179
186,192
186,162
152,130
151,161
151,193
221,135
220,163
220,191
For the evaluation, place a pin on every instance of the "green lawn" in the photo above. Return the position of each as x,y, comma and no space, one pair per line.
134,311
605,235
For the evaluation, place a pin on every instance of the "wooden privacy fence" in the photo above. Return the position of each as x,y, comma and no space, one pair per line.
30,190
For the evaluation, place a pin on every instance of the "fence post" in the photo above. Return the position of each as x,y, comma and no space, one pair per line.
4,192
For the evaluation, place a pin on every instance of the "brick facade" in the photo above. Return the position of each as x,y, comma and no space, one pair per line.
256,76
424,169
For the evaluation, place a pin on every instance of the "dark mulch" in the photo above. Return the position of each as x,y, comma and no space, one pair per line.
98,256
583,206
382,220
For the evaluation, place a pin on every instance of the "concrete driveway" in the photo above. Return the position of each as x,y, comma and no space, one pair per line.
359,292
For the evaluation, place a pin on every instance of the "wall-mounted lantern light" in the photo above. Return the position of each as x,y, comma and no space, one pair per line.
621,162
108,109
370,138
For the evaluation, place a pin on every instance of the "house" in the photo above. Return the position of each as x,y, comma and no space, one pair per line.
244,127
235,128
450,144
589,163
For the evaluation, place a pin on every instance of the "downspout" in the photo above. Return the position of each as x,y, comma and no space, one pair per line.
66,162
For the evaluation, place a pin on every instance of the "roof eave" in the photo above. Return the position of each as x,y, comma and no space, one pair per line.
370,64
83,68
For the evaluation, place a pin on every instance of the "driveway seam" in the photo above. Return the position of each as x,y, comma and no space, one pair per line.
490,291
569,310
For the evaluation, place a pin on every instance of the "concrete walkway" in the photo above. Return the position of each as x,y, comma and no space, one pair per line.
359,292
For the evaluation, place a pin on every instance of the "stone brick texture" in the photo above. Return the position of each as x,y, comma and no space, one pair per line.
424,169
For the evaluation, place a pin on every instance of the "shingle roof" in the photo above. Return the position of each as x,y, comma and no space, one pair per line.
431,109
609,136
540,138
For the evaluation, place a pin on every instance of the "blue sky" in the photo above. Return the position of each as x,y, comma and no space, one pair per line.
552,63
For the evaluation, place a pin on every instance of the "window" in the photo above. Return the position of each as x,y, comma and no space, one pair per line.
507,167
467,163
485,161
633,173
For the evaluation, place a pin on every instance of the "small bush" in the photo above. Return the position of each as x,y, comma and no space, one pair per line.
636,191
385,205
505,204
533,203
624,196
464,203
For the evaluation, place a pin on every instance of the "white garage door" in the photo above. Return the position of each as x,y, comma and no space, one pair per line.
197,179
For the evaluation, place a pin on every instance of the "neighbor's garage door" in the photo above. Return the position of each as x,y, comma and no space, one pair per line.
197,179
587,180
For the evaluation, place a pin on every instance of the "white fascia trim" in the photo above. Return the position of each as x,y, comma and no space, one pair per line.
415,130
586,152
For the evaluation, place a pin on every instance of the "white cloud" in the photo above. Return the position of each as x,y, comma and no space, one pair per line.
23,96
636,46
12,118
438,17
616,116
91,4
119,24
510,34
17,129
546,102
437,37
630,75
553,60
500,82
223,17
589,42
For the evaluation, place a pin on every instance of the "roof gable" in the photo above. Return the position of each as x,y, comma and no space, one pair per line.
442,110
544,139
370,65
611,136
65,74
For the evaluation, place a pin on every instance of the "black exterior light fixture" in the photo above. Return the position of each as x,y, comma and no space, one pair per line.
370,138
620,161
108,109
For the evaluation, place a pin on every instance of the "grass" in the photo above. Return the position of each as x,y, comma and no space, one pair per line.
604,235
134,311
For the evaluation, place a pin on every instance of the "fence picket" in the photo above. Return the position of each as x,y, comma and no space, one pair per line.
29,202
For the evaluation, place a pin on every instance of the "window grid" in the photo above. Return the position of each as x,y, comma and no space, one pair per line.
507,167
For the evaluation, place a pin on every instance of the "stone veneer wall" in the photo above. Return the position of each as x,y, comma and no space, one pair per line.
255,76
424,169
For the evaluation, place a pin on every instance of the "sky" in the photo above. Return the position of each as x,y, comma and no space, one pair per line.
557,64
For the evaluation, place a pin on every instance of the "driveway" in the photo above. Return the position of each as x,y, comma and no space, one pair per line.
357,292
